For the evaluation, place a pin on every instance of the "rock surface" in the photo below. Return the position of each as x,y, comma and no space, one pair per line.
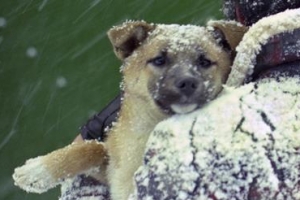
244,145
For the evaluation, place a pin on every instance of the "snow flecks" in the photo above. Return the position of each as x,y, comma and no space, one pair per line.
243,145
7,138
43,4
84,187
89,45
92,5
3,22
31,52
61,82
34,176
30,91
95,2
183,36
258,35
13,129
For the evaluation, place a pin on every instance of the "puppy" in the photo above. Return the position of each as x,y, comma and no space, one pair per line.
167,70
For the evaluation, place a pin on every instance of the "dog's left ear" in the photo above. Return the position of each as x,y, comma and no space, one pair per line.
227,33
128,36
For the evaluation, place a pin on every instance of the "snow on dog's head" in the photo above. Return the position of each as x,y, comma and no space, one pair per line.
243,145
176,68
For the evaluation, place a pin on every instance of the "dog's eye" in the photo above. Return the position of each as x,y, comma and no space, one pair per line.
159,61
204,62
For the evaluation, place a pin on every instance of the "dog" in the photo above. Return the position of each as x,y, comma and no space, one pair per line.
167,70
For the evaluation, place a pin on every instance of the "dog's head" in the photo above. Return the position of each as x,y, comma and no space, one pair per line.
177,68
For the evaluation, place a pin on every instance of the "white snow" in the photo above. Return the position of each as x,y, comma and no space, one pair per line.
31,52
43,4
258,35
229,145
61,82
73,189
34,177
183,36
2,22
244,143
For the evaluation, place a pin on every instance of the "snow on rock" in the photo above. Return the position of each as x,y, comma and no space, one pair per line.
84,188
244,145
258,35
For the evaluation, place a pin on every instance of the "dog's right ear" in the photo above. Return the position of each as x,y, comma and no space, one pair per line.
128,36
227,33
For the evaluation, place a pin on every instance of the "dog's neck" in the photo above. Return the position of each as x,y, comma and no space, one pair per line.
139,115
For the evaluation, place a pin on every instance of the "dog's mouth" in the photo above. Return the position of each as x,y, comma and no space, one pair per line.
176,107
183,108
180,100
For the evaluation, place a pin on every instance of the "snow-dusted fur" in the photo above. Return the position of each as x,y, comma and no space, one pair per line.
243,145
167,69
44,172
31,173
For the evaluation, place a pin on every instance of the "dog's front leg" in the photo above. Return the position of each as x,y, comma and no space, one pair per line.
45,172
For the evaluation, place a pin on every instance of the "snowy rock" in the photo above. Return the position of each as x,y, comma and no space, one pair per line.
244,144
257,36
84,188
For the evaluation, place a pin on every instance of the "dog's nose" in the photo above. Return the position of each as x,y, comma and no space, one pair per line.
187,86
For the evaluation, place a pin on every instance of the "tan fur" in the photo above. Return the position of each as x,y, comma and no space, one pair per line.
233,32
127,142
136,43
74,158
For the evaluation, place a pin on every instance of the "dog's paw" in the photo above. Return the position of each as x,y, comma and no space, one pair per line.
34,176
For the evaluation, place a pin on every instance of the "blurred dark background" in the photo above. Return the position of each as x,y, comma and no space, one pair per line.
57,68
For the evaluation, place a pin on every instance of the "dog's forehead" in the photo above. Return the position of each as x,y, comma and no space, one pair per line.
179,37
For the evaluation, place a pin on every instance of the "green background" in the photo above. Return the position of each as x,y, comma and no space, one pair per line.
57,68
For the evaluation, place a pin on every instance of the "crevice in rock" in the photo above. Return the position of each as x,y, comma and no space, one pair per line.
267,121
194,163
